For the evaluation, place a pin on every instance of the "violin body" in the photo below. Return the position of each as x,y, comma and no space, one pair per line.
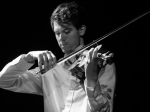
77,68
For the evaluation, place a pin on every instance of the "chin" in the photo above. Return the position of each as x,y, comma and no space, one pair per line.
66,51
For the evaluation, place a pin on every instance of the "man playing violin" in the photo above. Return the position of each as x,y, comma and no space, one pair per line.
95,94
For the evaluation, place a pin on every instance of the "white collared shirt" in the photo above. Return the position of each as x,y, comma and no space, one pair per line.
71,95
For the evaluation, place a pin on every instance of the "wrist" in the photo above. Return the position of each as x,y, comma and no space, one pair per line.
28,58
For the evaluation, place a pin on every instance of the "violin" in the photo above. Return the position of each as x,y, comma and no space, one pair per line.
77,68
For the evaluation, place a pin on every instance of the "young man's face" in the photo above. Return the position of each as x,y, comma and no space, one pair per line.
67,36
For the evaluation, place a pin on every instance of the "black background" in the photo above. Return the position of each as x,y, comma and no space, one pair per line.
25,26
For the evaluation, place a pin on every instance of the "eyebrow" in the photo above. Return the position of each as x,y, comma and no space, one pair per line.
63,29
67,28
65,25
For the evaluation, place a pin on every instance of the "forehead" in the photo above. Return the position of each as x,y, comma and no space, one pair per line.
59,26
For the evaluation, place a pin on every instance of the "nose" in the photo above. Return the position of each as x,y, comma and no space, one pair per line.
62,37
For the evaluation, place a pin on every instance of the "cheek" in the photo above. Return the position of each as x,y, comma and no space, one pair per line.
57,40
73,42
74,38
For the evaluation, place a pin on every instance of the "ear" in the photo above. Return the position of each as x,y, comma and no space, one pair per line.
82,30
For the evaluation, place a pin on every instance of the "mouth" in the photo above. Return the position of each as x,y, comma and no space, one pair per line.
63,44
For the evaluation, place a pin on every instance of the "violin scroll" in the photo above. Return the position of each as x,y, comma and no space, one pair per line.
106,58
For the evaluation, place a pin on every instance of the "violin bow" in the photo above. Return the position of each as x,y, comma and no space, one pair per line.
96,41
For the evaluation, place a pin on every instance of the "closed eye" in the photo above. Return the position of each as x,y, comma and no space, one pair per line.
66,31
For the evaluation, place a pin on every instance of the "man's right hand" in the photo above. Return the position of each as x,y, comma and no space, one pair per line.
46,58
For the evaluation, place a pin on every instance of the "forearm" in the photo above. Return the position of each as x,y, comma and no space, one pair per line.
13,70
100,92
99,97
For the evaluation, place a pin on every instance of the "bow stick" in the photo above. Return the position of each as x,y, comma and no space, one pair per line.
96,41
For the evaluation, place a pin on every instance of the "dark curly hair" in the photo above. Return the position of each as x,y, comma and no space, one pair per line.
69,13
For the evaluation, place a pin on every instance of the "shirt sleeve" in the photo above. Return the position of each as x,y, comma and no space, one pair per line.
16,77
100,97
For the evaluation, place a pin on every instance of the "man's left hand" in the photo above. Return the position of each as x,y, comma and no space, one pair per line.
91,66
